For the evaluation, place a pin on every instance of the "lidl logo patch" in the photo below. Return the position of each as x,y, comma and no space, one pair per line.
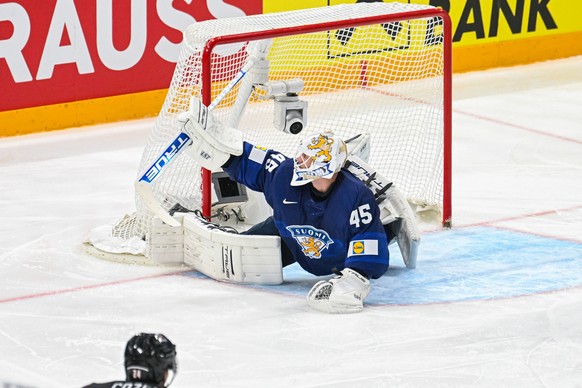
363,247
358,247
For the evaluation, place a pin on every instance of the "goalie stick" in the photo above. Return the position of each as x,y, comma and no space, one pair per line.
144,184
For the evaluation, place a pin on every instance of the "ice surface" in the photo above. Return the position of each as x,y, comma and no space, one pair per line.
494,302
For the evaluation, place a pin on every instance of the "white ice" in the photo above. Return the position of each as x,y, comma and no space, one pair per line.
65,316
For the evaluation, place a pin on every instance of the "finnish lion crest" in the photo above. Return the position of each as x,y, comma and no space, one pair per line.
311,240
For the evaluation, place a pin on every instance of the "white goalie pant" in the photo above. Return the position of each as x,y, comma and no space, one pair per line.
393,207
231,257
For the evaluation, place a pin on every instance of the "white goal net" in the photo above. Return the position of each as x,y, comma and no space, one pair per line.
377,68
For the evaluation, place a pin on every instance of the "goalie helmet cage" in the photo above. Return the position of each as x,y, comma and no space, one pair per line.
380,68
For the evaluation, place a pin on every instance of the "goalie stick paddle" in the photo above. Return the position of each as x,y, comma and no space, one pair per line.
144,184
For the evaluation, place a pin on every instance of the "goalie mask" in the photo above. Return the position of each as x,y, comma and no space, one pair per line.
318,156
150,358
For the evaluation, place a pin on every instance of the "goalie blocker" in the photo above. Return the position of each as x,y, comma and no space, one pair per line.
212,143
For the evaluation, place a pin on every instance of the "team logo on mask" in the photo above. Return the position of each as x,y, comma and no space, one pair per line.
311,240
322,147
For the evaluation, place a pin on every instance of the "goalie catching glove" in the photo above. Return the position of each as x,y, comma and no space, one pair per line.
342,294
212,142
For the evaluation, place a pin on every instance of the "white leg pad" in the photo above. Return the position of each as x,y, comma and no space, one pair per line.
393,206
165,242
360,146
231,257
408,238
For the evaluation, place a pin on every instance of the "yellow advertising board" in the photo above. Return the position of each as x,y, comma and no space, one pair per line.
494,33
56,82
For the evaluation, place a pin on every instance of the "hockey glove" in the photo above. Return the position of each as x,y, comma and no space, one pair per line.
212,143
342,294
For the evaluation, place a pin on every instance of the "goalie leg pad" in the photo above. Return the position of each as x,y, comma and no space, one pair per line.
230,257
393,207
408,236
165,242
359,146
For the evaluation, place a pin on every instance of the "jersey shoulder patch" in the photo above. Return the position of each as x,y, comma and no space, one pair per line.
363,247
258,154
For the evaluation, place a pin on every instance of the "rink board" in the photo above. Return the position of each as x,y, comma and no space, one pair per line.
463,265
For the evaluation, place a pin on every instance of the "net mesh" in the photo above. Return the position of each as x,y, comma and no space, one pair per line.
385,79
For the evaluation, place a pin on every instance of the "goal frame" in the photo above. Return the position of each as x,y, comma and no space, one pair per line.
206,83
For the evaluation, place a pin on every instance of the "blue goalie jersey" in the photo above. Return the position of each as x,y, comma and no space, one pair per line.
343,230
